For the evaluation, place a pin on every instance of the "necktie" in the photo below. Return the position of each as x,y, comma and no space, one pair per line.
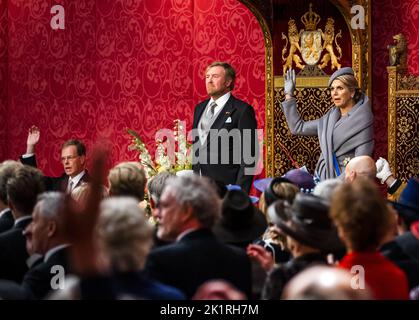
211,109
70,186
207,120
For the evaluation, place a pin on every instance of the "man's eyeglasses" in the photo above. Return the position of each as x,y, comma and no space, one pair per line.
69,158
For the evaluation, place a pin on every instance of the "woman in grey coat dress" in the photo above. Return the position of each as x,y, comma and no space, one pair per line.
344,132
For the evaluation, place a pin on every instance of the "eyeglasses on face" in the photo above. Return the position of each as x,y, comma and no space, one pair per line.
69,158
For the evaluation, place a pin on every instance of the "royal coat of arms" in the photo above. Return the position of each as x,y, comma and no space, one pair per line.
311,43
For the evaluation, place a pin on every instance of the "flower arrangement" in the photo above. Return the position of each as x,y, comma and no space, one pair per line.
167,157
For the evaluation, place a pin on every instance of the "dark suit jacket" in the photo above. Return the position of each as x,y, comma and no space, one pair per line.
54,183
242,117
6,221
196,258
13,252
36,283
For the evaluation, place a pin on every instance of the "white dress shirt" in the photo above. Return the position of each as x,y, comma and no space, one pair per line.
221,101
75,180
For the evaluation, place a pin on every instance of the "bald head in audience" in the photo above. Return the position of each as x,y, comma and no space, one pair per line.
218,290
324,283
362,166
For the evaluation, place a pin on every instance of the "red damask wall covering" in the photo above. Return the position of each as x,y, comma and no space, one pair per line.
139,64
3,78
117,64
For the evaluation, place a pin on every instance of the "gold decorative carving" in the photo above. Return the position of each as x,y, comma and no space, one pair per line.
308,42
392,76
294,39
397,52
403,121
303,82
328,36
275,161
408,82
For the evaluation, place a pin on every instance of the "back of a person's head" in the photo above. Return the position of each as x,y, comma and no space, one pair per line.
278,189
199,194
50,206
7,170
24,187
285,191
157,183
324,189
361,166
218,290
127,179
361,214
125,233
324,283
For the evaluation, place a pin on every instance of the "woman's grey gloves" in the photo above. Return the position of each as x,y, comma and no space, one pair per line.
289,82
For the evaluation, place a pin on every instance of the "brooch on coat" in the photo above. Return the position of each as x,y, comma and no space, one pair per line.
345,161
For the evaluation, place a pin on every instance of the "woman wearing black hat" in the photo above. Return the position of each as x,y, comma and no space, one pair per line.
344,132
310,236
240,222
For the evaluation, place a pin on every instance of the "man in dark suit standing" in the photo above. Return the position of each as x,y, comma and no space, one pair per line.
187,210
73,159
224,131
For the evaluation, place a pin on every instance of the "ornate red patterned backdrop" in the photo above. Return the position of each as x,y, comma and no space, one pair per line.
3,78
139,64
390,18
118,64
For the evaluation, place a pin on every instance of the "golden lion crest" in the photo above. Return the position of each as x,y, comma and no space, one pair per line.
311,43
398,51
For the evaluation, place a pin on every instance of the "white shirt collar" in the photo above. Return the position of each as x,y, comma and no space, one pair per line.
221,101
32,259
77,178
51,251
22,219
2,212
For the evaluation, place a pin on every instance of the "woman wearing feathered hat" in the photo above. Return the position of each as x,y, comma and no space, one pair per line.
344,132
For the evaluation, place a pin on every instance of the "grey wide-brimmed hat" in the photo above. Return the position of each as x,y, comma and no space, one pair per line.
340,72
307,221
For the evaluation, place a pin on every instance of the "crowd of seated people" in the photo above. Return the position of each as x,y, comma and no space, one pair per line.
72,237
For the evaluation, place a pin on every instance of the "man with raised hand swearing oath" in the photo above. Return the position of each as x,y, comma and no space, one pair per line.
73,159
